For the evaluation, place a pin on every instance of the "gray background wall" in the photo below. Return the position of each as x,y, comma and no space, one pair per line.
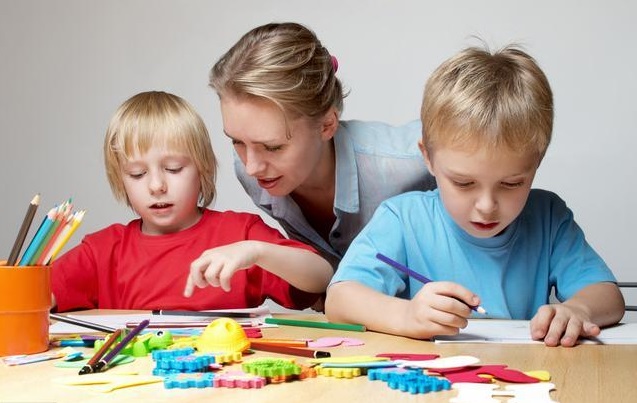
66,65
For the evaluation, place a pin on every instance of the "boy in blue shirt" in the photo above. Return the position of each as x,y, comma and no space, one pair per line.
487,121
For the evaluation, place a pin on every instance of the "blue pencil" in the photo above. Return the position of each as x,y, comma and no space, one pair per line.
416,275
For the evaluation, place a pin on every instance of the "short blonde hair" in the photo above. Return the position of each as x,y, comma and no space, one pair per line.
482,99
158,118
284,63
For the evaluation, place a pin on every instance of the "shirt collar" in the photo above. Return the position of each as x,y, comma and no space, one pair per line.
346,186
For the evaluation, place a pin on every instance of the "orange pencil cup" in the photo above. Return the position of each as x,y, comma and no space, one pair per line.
25,301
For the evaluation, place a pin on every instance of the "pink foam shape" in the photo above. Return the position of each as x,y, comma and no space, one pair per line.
335,341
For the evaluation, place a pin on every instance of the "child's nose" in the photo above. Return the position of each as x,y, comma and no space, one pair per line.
157,184
486,203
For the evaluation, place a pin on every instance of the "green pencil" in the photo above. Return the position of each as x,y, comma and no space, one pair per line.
320,325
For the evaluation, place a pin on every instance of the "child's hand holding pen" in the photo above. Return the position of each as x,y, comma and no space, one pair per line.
439,308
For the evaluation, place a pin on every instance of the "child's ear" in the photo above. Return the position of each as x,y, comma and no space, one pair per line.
329,125
425,156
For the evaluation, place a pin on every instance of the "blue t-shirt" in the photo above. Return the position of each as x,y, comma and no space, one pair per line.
513,273
374,161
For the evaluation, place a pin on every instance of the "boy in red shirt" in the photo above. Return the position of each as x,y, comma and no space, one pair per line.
159,160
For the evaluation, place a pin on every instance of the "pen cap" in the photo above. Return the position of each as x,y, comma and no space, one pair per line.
25,301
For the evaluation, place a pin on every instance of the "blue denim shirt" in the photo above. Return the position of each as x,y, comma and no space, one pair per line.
374,161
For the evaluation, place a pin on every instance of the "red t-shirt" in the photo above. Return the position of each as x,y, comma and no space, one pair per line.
119,267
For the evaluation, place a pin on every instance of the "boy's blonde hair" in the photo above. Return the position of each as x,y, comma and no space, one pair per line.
482,99
284,63
158,118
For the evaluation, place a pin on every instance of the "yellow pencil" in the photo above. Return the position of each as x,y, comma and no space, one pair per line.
65,222
66,234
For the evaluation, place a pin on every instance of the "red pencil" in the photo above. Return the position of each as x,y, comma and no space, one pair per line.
301,352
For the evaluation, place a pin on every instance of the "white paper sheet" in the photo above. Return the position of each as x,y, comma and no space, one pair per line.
119,321
518,332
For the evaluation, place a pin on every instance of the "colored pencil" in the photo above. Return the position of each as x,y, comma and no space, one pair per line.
88,368
301,352
320,325
57,220
416,275
24,229
38,237
63,218
78,322
210,314
101,364
76,220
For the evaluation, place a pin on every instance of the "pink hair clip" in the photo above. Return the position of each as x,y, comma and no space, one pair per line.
334,63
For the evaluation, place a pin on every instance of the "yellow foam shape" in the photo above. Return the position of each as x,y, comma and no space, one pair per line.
349,359
144,380
111,381
539,374
222,334
339,372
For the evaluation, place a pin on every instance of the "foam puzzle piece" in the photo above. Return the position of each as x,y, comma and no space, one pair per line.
382,374
271,367
484,393
456,361
335,341
412,381
472,374
539,374
158,355
339,372
238,379
189,380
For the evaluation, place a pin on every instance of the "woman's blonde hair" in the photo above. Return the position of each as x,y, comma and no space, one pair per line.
483,99
158,118
284,63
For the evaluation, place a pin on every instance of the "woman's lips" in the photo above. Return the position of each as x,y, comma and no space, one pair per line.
268,183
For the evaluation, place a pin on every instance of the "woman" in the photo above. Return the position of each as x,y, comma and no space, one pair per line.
319,177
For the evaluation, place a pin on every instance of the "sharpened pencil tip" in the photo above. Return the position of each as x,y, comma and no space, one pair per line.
481,310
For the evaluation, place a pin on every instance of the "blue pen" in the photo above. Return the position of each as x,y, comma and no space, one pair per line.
416,276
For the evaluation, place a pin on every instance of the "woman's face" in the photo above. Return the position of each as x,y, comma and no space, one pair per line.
279,162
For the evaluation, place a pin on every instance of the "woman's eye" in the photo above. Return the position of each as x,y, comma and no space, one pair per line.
174,170
273,148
